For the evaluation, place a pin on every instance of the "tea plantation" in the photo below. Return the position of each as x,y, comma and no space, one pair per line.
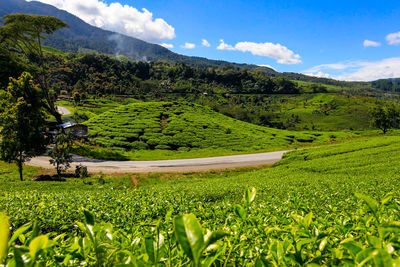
332,205
185,127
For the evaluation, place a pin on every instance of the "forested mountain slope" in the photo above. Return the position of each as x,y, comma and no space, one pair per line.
82,37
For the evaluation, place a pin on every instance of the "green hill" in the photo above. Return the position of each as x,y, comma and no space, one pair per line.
188,127
322,112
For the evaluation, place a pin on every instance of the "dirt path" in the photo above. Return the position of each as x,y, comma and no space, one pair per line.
63,111
177,165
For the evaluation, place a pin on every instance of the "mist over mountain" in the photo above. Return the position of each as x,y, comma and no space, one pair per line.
83,37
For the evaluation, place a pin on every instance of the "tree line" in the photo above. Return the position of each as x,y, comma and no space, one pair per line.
107,75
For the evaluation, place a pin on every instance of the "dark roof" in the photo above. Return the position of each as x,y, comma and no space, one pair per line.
65,125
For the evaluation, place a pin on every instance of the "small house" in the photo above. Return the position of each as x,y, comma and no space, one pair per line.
76,130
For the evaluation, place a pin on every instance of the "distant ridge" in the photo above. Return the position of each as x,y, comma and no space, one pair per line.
83,37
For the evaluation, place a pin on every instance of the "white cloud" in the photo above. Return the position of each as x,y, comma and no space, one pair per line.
321,74
393,38
368,43
188,46
333,66
359,70
167,45
205,43
281,53
224,46
123,19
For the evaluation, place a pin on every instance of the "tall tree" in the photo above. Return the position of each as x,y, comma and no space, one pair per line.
385,116
22,34
22,119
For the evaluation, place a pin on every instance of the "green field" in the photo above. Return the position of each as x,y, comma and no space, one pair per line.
177,130
322,112
314,207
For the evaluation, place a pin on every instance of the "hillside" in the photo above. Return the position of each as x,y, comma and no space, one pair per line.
245,95
186,127
322,112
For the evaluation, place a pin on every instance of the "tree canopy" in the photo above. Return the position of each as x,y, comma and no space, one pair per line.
25,32
21,37
22,119
385,116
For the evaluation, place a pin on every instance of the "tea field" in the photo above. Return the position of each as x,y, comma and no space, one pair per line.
323,112
331,205
172,126
92,106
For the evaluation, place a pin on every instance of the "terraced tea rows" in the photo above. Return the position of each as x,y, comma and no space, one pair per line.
173,126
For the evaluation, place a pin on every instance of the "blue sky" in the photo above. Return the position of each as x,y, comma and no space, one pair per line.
350,40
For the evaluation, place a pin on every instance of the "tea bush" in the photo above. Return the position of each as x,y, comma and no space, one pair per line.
177,126
332,205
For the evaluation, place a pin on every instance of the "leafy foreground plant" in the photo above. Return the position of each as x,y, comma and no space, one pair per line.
369,236
99,244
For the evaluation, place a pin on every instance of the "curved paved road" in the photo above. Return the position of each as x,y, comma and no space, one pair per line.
177,165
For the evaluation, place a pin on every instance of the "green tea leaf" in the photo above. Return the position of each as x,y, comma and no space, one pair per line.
89,217
39,243
392,227
250,195
168,216
382,258
214,237
149,243
189,234
374,241
387,198
19,232
240,211
372,204
308,219
353,247
4,235
259,263
323,244
365,256
18,259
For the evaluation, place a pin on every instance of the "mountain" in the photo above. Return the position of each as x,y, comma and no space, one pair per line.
81,36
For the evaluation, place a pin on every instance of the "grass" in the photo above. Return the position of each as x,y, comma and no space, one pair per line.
161,130
313,196
8,172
